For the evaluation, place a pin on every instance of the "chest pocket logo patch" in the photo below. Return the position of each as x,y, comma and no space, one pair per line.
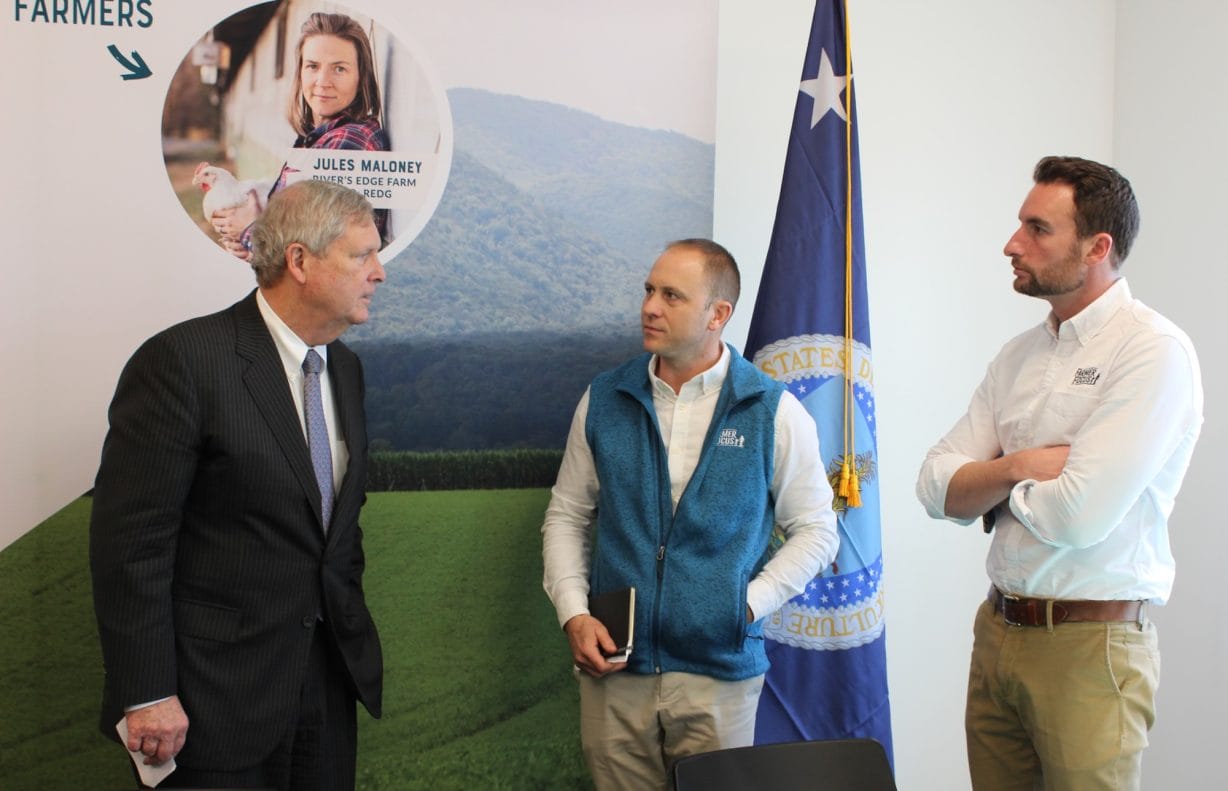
1086,376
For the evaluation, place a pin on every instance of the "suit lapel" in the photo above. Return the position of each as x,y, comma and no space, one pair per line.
346,376
265,379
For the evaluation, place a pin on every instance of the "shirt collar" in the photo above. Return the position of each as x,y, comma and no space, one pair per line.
703,383
309,140
1087,323
290,347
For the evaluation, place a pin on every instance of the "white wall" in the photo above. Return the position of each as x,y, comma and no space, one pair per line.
1170,125
957,100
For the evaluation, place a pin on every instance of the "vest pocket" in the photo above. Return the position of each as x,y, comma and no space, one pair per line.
743,626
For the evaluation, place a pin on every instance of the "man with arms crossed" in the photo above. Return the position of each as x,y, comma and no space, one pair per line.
678,466
225,547
1073,449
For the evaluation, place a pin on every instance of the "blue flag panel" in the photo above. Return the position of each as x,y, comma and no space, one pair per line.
828,677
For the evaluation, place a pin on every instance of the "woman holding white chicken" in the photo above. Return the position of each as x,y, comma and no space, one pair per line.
334,104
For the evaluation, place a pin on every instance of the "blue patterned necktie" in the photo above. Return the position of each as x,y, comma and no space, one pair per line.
317,433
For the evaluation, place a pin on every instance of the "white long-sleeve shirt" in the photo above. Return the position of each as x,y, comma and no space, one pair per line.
802,495
1120,385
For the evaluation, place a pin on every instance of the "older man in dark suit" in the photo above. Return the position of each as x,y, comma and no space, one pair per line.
224,544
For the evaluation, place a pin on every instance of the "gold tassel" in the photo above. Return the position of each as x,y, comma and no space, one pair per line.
855,490
843,491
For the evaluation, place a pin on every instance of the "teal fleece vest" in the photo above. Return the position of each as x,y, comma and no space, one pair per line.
690,568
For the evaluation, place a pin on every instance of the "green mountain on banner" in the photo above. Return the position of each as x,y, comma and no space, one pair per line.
633,188
550,220
527,280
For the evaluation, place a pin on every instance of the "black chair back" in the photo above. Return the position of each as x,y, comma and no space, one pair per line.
832,765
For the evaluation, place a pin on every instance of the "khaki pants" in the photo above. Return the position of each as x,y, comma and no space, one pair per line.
633,727
1061,708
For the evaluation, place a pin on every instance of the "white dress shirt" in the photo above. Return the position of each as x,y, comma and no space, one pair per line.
1120,385
292,350
802,495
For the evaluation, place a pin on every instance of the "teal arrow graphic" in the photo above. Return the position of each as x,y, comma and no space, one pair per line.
136,71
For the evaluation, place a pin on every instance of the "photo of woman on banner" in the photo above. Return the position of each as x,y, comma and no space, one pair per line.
335,104
291,90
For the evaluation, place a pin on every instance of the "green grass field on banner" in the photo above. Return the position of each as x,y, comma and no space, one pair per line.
478,690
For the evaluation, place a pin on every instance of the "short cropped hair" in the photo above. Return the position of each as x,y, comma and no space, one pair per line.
1104,201
312,213
724,280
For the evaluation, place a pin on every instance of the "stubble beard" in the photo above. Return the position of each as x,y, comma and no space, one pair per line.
1066,276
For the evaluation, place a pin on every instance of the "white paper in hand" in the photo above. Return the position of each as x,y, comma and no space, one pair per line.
151,774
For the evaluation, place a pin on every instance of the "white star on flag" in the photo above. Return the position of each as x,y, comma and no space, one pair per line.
825,89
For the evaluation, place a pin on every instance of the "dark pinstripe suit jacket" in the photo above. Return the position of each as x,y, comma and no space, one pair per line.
209,559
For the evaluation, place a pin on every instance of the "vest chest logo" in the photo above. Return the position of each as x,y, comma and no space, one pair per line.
1086,376
729,438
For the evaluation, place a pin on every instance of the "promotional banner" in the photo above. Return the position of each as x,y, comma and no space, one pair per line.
528,162
586,134
811,330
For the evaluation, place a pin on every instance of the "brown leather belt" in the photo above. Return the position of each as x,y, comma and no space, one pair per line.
1019,611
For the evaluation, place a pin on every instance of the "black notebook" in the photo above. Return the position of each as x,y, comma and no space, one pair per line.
616,611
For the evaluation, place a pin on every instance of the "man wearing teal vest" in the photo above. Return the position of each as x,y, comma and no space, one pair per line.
679,466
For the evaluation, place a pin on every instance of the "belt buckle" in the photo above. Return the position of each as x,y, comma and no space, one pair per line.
1007,599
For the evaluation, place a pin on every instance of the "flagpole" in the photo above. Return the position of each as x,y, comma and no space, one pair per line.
850,481
828,674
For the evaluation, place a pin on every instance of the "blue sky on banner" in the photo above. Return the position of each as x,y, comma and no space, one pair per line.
831,635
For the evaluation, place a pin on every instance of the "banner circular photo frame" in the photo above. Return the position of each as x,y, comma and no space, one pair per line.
284,91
